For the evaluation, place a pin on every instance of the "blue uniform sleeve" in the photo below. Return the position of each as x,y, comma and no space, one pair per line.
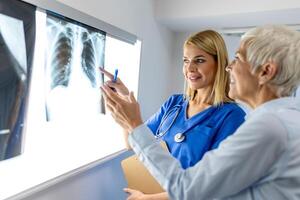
154,121
229,125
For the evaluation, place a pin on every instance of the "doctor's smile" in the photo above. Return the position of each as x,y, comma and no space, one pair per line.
194,78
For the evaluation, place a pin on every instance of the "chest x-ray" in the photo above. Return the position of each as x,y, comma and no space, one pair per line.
74,54
13,85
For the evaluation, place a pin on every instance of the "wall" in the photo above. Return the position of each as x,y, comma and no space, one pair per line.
174,8
216,14
177,75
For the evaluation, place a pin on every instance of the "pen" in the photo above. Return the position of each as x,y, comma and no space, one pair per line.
115,76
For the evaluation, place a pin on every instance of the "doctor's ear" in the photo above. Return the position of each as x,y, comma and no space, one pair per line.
267,72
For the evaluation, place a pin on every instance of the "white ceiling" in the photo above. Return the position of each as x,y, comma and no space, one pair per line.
194,15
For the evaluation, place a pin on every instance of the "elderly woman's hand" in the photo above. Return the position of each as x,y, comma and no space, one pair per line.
118,85
124,108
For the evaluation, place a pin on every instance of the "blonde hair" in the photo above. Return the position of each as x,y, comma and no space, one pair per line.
278,44
212,43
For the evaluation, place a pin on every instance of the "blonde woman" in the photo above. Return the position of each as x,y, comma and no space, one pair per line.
260,161
199,120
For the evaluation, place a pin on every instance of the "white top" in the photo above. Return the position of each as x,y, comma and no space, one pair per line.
261,160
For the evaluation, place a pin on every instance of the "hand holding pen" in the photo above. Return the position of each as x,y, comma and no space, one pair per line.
122,104
120,91
115,82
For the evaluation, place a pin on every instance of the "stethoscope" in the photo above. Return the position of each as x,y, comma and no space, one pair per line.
179,137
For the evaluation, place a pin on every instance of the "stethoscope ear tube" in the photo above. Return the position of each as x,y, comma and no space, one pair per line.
159,133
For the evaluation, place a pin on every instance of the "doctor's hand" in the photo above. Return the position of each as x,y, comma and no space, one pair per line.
118,85
134,194
137,195
124,109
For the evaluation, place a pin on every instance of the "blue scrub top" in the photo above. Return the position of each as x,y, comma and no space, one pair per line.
203,131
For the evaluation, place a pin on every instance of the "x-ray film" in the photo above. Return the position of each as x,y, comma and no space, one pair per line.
74,54
13,85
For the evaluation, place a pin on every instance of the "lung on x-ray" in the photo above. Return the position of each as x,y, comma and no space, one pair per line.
74,54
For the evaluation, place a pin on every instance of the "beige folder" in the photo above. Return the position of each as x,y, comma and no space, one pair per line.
138,177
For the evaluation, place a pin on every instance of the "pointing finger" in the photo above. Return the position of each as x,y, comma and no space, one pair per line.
106,73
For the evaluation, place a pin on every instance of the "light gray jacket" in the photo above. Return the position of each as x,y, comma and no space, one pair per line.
260,161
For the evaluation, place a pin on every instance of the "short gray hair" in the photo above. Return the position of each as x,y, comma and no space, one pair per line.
277,44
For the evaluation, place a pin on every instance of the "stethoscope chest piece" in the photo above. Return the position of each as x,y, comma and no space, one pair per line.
179,137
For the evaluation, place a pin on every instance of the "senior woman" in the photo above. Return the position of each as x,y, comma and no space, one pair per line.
261,160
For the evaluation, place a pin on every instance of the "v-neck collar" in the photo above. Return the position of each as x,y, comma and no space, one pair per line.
185,124
203,112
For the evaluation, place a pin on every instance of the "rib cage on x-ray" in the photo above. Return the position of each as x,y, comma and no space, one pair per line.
72,45
70,36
